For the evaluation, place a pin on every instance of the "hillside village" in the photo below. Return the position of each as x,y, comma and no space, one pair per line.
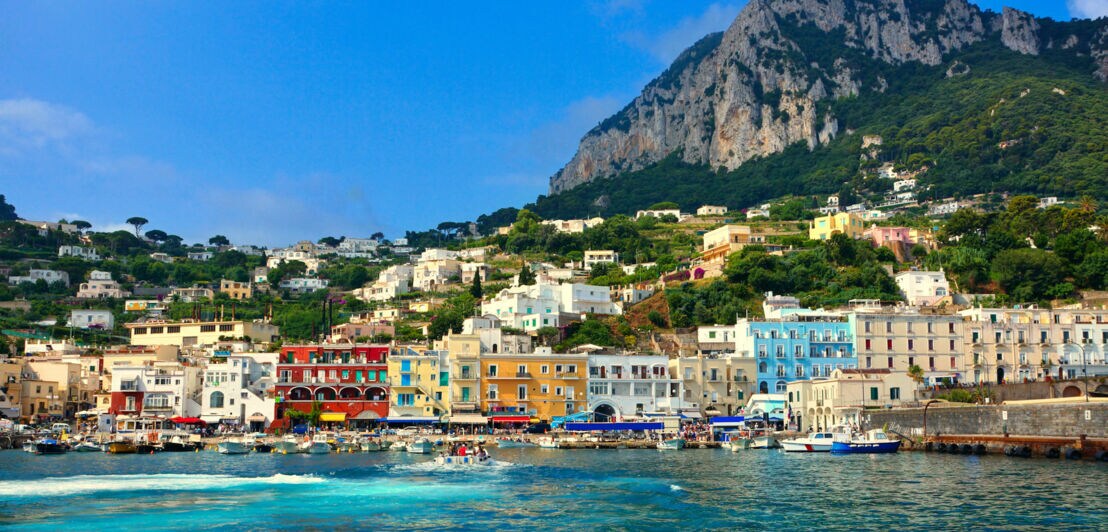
876,305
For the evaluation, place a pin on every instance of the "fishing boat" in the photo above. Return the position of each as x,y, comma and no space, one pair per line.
398,445
369,446
463,461
50,446
258,442
317,445
177,445
817,442
420,446
739,443
29,446
507,443
234,446
762,439
287,445
872,441
672,444
87,447
121,447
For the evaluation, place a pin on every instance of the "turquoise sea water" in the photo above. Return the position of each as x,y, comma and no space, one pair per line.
550,489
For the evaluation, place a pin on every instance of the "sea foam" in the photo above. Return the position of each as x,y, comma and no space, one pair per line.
84,484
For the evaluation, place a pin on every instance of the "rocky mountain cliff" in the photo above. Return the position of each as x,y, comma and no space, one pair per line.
766,82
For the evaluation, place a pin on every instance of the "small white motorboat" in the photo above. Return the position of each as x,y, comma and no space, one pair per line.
398,445
317,445
817,442
548,443
672,444
87,447
234,446
420,446
369,446
287,445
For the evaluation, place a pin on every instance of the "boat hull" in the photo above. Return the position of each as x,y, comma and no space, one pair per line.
318,448
740,444
88,447
233,447
420,447
764,442
462,461
371,446
286,447
121,447
177,447
671,445
50,448
884,447
510,444
794,446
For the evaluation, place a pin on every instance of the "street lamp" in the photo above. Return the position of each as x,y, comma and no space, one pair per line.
1084,364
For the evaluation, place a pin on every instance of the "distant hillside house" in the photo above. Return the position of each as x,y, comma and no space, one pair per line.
86,319
49,276
847,223
87,253
723,241
711,210
600,256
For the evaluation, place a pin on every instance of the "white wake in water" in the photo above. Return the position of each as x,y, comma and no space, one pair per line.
84,484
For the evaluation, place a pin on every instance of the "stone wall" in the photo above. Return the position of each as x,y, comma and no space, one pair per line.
1062,420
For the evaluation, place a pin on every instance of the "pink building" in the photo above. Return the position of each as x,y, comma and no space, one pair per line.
889,236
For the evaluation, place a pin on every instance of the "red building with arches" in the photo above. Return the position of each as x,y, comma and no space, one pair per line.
349,381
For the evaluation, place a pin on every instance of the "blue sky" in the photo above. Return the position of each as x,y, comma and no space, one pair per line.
271,122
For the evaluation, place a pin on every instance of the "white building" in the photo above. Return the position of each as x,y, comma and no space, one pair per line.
85,319
237,390
474,269
200,256
574,226
49,276
393,281
544,304
248,250
630,386
631,294
944,208
1048,201
430,275
600,256
922,288
303,285
437,254
658,213
904,185
311,263
711,210
156,388
100,285
87,253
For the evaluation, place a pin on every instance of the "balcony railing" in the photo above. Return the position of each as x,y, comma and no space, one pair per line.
523,375
567,375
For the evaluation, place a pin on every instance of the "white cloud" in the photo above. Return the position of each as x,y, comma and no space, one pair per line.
27,123
1087,8
666,46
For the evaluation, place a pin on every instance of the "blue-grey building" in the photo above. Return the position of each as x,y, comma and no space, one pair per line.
796,347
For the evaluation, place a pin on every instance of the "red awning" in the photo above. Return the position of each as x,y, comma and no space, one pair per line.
187,420
511,419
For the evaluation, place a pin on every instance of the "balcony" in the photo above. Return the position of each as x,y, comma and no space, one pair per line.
567,375
464,375
523,375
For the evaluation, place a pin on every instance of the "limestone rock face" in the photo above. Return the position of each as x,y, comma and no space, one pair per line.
757,87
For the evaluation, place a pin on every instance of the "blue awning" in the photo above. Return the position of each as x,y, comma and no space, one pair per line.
614,426
410,420
727,421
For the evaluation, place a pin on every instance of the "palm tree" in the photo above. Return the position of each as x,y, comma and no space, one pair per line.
1087,204
916,373
138,222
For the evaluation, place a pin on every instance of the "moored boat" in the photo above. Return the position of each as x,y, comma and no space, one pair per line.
398,445
121,447
672,444
872,441
317,445
177,445
739,443
234,446
817,442
369,446
287,445
507,443
420,446
87,447
50,446
29,446
548,443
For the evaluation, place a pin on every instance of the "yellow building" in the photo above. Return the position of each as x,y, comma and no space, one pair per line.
420,383
723,241
847,223
535,385
236,289
190,332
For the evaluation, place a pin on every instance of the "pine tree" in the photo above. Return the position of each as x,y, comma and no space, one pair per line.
475,290
526,276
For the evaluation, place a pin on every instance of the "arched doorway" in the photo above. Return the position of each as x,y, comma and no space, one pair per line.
763,387
1071,391
1000,375
604,413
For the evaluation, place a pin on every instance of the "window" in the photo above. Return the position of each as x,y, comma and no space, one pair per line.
492,371
911,345
544,369
155,330
867,326
869,362
890,362
868,346
952,362
226,328
889,344
207,328
952,345
493,391
930,327
558,389
930,345
544,389
873,393
216,400
521,392
173,329
894,393
888,326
